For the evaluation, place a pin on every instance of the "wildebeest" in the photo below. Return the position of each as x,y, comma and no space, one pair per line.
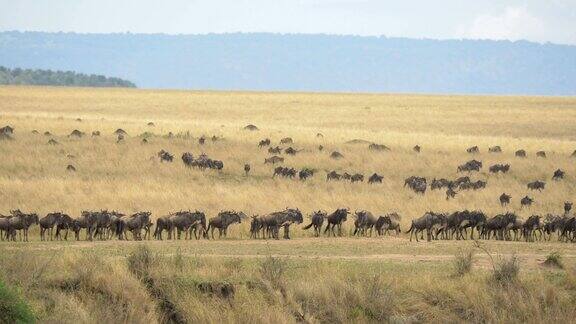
320,147
264,142
305,173
417,184
336,219
520,153
416,148
274,159
458,223
473,150
541,154
187,159
70,168
316,221
223,221
378,147
375,178
364,222
255,226
333,175
388,222
475,185
250,127
48,222
495,149
272,222
285,172
275,150
472,165
558,175
286,140
567,207
536,185
440,183
357,177
336,155
181,221
246,169
526,201
428,222
76,133
504,168
52,142
20,222
165,156
202,140
531,227
290,151
505,199
450,193
134,223
499,226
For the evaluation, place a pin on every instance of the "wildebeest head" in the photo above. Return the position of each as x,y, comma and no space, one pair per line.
567,207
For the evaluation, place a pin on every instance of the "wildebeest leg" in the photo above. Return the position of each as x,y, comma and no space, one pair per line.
287,232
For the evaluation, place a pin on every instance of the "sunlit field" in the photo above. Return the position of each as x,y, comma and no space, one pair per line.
363,279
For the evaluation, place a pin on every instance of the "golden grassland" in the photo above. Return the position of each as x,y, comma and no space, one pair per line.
320,280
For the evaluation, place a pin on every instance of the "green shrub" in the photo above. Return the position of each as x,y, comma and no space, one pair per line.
12,308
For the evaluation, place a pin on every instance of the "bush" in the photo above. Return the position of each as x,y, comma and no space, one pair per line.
463,262
140,260
12,308
273,270
554,259
506,271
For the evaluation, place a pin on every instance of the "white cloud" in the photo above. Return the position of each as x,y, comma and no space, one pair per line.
513,24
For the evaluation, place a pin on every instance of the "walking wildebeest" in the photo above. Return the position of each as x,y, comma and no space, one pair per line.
222,221
365,221
317,220
378,147
504,168
536,185
20,222
388,222
274,150
473,150
305,173
417,184
567,207
541,154
286,140
336,219
333,175
273,221
134,223
274,159
429,221
246,169
520,153
48,222
472,165
526,201
264,142
416,148
495,149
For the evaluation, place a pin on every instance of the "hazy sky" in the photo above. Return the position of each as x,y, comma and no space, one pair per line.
536,20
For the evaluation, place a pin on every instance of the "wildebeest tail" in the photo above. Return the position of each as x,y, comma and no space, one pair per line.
307,226
411,226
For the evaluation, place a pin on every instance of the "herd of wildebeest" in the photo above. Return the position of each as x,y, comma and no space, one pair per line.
104,225
458,225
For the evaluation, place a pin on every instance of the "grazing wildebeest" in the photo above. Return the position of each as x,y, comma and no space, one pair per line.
375,178
429,221
558,175
21,222
520,153
251,127
567,207
417,148
473,150
417,184
246,169
76,133
134,223
274,150
274,159
48,222
336,219
365,221
541,154
536,185
70,168
305,173
472,165
316,220
505,199
286,140
378,147
272,222
388,222
264,142
526,201
495,149
284,172
223,220
357,177
336,155
504,168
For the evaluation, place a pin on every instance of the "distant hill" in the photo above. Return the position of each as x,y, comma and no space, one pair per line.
302,62
19,76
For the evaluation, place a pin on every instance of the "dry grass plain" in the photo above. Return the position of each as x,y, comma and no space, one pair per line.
305,279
